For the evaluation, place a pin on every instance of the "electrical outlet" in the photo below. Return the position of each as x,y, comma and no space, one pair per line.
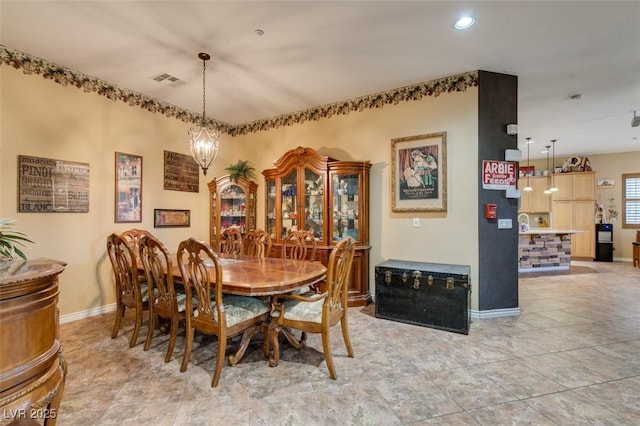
416,222
504,224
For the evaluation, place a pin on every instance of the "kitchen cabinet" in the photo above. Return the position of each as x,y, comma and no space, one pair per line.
308,191
573,207
232,204
535,201
574,186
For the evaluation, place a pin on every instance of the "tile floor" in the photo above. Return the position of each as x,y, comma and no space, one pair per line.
572,357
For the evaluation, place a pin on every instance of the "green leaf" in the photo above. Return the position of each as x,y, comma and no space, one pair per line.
241,169
11,241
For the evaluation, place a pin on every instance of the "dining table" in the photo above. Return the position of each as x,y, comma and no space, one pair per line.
263,277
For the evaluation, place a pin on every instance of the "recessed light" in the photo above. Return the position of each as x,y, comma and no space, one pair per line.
259,32
464,22
576,97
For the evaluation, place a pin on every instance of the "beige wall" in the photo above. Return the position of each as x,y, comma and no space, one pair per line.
613,166
44,119
41,118
443,237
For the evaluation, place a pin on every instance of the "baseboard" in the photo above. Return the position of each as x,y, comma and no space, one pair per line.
495,313
88,313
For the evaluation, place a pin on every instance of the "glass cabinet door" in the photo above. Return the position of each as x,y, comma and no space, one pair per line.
314,203
271,208
289,203
346,213
232,208
213,208
251,213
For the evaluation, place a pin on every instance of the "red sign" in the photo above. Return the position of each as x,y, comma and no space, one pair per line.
498,174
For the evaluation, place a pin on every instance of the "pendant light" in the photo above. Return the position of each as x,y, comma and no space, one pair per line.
528,187
553,188
547,190
203,140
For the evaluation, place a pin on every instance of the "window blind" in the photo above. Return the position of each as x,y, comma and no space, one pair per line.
631,200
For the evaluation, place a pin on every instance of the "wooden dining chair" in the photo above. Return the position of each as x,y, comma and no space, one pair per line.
317,313
299,245
257,243
130,292
226,315
169,301
132,237
231,241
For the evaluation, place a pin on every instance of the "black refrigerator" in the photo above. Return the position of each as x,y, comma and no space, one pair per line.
604,242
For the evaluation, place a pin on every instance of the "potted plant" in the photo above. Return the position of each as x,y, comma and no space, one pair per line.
11,242
242,169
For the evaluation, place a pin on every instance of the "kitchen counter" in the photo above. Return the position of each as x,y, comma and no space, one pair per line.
544,249
540,231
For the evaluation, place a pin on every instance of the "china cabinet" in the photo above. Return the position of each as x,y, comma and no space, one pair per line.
232,205
330,198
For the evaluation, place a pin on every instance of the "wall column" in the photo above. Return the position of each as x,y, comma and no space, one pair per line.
498,248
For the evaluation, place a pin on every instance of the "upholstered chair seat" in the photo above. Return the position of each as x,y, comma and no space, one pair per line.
318,312
226,316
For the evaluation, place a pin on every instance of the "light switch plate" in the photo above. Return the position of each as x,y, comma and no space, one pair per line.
505,224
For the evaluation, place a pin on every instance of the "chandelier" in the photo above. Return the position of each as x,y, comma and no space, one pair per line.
203,140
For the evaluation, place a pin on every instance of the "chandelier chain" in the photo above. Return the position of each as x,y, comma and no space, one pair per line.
204,88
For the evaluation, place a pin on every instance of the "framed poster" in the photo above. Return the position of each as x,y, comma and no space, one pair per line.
128,200
166,218
46,185
419,173
181,172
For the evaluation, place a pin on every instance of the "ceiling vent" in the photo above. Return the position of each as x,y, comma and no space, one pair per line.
168,80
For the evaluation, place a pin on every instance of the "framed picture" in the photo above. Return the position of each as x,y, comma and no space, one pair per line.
605,183
419,173
128,202
65,183
181,172
165,218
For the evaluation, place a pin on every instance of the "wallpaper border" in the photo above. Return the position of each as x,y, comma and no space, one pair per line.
65,76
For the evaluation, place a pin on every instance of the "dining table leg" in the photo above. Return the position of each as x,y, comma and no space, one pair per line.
247,335
274,339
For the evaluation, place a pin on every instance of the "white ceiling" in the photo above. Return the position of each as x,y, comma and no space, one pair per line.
318,52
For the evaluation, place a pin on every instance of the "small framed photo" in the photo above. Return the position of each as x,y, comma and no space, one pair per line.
128,202
419,173
605,183
170,218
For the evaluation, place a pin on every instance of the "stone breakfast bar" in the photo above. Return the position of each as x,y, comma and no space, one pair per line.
544,249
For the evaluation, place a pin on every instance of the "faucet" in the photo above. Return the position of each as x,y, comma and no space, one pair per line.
524,226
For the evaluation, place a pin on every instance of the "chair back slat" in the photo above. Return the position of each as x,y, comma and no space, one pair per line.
299,245
132,237
338,273
123,262
231,241
156,261
257,243
195,258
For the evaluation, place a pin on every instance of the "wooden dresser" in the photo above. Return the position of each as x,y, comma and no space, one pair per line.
32,369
